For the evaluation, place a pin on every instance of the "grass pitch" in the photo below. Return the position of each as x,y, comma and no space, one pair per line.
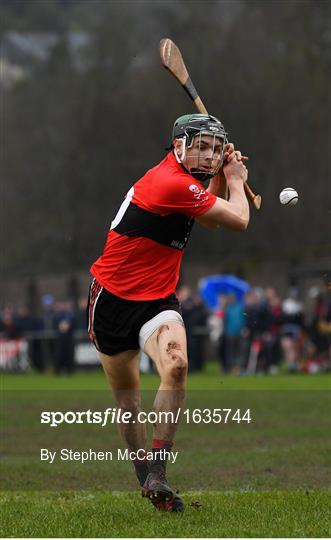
221,514
270,478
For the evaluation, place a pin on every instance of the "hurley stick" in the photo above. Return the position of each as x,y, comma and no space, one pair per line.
172,60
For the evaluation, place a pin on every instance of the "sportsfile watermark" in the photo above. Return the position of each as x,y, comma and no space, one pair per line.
119,416
71,439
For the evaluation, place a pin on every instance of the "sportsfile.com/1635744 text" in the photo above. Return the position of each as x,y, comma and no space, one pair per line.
118,415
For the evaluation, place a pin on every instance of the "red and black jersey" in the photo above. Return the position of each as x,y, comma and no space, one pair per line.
144,248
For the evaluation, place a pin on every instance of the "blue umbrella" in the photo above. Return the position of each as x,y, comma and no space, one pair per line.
211,287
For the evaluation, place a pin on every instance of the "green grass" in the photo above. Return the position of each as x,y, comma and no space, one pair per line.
227,514
211,379
267,478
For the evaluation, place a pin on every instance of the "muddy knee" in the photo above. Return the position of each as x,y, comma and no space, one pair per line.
178,370
176,360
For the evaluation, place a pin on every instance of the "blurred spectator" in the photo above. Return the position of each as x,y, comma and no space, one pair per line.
31,326
64,325
255,325
292,330
233,325
185,297
49,338
215,321
198,321
80,314
270,339
321,325
311,362
8,323
216,325
195,317
23,320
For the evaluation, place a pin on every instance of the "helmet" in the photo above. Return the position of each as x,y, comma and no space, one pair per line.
190,124
187,127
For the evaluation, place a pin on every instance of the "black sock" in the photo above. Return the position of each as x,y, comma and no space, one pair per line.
158,465
142,470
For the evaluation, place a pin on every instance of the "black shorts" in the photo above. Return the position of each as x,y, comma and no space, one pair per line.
114,323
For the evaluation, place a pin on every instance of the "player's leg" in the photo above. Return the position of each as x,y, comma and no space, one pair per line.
122,372
108,318
167,348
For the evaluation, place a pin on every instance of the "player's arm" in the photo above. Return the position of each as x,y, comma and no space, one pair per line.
234,213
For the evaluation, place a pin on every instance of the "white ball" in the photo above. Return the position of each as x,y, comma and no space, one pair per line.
289,196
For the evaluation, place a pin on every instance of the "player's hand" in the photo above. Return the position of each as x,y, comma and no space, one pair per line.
235,170
230,153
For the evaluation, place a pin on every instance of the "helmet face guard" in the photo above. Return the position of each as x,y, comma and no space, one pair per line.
191,128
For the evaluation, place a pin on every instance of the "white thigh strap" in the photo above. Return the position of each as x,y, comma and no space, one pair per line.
162,318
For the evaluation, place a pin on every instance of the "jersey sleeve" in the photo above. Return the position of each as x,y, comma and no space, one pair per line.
182,195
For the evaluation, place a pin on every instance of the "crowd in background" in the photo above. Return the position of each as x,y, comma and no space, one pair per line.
51,333
262,333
